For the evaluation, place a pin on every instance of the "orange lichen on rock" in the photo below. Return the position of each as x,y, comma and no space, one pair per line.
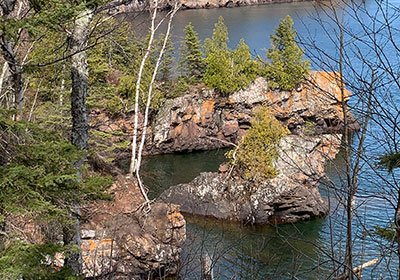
206,110
329,82
176,219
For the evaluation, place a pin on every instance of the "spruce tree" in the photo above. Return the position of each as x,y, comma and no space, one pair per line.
227,71
288,67
219,70
192,61
219,40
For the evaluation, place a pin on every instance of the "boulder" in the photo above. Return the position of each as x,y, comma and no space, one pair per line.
292,196
121,241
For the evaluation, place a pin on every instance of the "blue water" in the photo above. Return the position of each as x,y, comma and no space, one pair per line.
303,249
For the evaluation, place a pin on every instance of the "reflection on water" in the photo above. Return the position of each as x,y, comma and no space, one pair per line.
260,252
266,252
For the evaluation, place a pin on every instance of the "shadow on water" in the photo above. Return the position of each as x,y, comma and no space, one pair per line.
163,171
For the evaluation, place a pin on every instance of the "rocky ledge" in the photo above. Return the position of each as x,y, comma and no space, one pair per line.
292,196
119,241
203,120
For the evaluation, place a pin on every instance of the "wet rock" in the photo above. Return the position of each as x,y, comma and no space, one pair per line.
292,196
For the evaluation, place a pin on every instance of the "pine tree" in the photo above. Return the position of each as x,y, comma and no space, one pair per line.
192,61
288,67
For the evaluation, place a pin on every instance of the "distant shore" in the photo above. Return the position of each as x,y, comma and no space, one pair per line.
205,4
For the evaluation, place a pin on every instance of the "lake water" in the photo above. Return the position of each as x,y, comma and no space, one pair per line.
302,249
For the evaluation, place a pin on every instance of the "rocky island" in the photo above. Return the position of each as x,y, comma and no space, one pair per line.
203,120
312,114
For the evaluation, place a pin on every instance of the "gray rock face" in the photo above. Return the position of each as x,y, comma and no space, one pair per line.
292,196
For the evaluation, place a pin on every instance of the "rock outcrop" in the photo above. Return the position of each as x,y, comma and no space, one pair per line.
119,241
203,121
292,196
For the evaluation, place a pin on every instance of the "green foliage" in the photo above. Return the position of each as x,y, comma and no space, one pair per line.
219,40
228,71
192,60
113,71
390,161
288,68
32,261
165,68
258,149
39,182
49,15
387,233
127,89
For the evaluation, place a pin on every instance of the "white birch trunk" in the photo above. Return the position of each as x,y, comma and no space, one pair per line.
133,163
150,92
3,76
149,96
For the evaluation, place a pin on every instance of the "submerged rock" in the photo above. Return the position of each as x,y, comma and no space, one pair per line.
119,241
292,196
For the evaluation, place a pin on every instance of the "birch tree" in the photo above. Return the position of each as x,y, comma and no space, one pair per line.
136,156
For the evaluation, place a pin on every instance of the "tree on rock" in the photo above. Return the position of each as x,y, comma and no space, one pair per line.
258,149
288,67
227,70
192,61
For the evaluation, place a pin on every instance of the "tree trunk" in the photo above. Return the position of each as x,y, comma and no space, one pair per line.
3,76
79,133
79,77
8,53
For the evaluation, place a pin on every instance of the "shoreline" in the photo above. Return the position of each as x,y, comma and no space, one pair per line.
207,4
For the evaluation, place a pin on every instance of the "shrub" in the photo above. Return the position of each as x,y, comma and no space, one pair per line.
258,149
